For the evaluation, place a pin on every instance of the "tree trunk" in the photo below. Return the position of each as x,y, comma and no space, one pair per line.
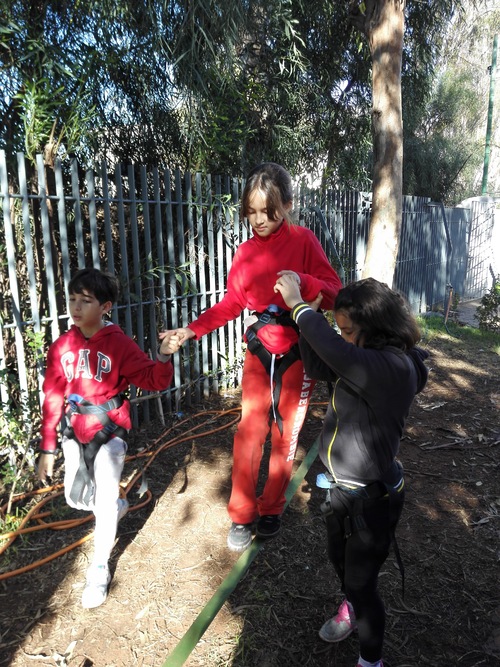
383,25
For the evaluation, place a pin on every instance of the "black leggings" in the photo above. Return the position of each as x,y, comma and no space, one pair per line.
358,557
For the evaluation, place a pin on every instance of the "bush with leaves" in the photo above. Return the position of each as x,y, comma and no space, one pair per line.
19,422
488,311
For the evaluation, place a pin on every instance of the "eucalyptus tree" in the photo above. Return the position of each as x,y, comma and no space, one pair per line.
445,139
42,75
85,78
382,22
205,84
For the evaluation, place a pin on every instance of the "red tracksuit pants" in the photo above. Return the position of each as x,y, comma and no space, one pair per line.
253,429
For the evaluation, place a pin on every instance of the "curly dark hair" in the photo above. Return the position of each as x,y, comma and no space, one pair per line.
104,286
382,315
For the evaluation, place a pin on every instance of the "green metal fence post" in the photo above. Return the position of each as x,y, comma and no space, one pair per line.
490,116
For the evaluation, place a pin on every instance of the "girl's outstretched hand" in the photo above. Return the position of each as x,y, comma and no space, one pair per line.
182,335
170,343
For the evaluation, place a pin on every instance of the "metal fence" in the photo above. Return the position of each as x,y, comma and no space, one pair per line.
483,255
170,237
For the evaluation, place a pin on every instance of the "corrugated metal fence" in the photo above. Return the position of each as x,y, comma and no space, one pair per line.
439,246
171,238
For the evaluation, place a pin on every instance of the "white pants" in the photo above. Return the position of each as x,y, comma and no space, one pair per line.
108,467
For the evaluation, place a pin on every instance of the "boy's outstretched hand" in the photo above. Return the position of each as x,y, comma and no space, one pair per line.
170,343
183,334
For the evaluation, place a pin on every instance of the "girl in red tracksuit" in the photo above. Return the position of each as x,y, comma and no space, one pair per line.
275,389
88,368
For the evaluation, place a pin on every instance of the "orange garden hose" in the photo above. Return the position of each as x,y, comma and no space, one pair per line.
34,514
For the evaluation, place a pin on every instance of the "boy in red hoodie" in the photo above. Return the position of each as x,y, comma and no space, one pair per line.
87,369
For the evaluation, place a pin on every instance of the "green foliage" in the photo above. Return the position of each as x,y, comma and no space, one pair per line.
45,101
11,522
433,327
488,311
16,449
182,273
444,123
444,153
207,85
18,419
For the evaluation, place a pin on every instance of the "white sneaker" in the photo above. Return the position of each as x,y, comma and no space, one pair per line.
123,506
96,589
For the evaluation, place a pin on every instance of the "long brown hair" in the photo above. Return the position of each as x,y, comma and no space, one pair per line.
276,184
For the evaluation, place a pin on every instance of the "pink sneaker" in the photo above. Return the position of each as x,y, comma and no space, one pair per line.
340,626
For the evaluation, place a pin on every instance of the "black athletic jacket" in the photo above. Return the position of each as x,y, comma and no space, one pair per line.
372,394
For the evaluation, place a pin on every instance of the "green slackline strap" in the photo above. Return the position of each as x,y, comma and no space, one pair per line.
183,649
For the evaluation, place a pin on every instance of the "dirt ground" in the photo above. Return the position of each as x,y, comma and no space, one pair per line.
171,557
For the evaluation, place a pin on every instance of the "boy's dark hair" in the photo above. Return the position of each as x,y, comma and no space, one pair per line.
104,286
381,313
276,183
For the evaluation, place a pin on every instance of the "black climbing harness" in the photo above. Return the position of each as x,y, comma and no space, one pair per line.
84,478
354,521
275,366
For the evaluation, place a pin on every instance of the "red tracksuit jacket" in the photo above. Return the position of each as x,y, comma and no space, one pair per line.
253,275
96,369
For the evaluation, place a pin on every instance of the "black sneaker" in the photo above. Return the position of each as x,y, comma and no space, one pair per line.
268,525
240,536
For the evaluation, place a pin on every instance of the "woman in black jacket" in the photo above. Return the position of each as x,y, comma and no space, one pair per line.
376,370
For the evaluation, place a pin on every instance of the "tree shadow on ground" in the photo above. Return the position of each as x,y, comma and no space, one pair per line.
448,536
171,557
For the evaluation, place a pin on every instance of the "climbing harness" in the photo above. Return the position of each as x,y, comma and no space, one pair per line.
354,521
84,478
275,365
